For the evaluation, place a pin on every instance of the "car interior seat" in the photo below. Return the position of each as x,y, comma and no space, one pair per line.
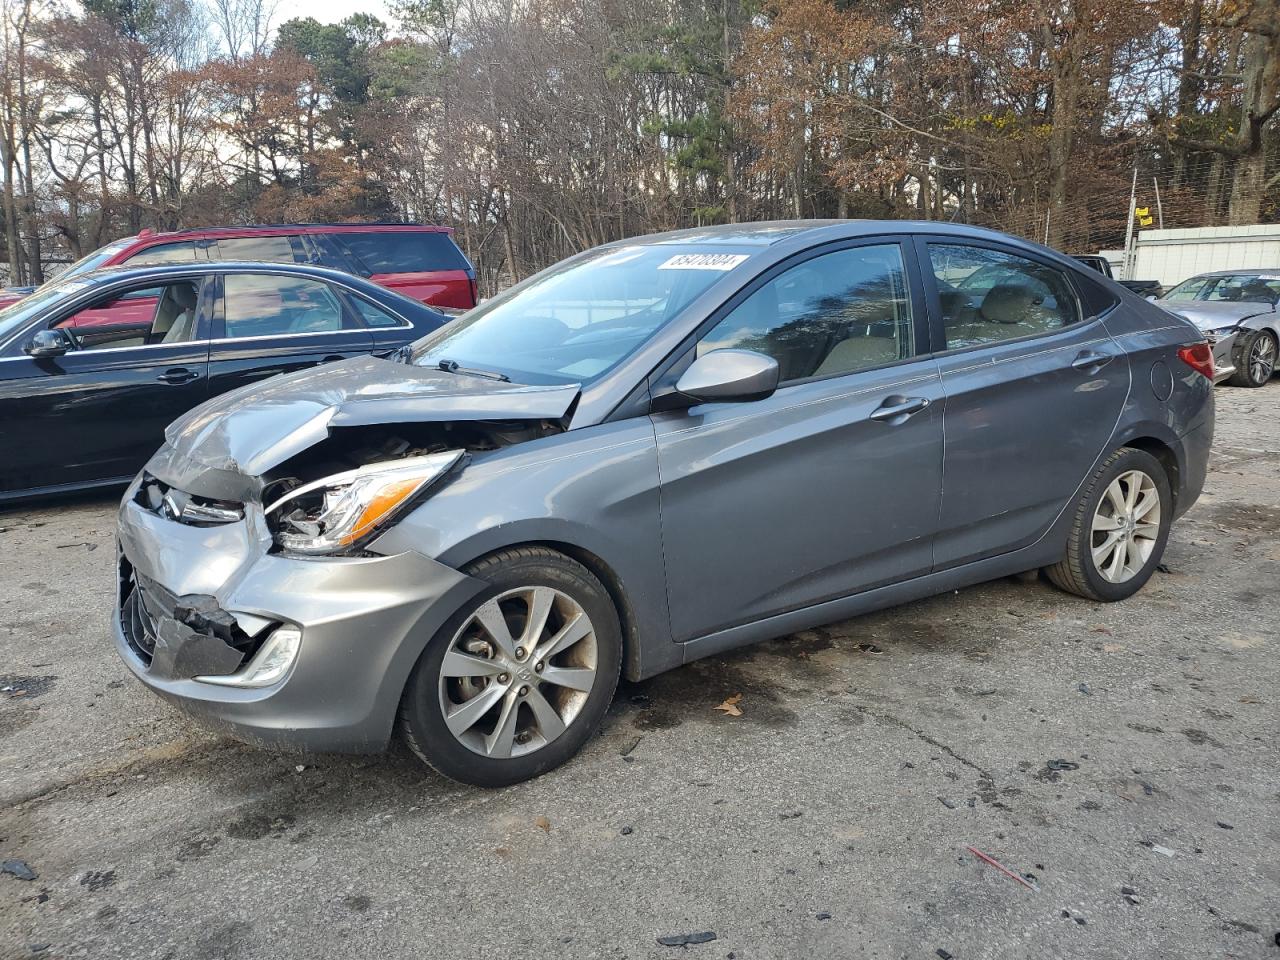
175,315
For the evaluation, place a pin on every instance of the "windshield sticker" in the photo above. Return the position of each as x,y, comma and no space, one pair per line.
703,261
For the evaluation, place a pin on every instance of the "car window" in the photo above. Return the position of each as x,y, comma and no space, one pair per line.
376,316
262,305
182,252
137,318
579,319
270,249
833,314
1245,288
401,251
96,259
988,295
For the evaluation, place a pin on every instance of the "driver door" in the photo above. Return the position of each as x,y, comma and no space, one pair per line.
828,487
137,359
270,323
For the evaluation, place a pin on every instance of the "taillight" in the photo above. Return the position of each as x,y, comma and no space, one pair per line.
1199,357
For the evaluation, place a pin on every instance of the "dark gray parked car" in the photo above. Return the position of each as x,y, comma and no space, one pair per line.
1236,310
658,450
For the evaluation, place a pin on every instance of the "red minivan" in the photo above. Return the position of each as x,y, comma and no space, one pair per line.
418,261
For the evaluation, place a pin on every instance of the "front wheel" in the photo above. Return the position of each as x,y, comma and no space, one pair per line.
1255,359
517,680
1119,530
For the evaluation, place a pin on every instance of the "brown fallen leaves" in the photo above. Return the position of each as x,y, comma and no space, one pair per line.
542,823
730,706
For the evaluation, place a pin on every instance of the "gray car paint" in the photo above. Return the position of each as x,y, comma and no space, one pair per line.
712,526
1231,316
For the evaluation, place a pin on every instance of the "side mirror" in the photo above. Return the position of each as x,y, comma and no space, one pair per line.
729,375
48,343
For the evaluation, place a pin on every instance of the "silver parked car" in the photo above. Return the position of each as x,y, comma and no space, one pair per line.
1236,309
658,450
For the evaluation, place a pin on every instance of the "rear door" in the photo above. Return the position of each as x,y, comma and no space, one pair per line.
424,265
99,411
268,323
828,487
1034,387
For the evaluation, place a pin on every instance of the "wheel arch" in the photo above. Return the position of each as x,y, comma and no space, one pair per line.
1166,455
639,658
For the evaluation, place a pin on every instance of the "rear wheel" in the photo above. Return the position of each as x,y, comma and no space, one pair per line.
1119,529
1255,359
515,682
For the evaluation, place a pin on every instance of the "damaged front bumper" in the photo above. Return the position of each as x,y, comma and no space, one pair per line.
204,601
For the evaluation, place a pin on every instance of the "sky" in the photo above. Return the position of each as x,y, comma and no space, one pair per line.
328,11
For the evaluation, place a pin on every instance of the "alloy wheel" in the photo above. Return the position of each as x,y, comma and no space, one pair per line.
518,672
1126,526
1262,358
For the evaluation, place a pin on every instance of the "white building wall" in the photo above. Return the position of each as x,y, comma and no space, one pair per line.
1171,256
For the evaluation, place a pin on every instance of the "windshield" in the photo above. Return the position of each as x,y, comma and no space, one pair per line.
582,318
16,315
1240,287
96,259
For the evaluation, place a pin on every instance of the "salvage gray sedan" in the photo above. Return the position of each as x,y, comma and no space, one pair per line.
658,450
1236,310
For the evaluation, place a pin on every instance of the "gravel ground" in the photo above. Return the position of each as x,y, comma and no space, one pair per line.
1124,756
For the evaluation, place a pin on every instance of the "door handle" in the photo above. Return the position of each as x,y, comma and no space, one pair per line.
1091,360
178,375
896,409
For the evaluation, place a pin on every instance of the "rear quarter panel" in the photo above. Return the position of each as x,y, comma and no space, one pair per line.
1169,401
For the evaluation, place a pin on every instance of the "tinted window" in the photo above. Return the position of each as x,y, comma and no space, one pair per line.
375,316
836,313
270,249
139,318
259,305
988,296
184,252
401,251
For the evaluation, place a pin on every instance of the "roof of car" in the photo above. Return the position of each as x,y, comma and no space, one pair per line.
768,232
157,272
1242,272
250,229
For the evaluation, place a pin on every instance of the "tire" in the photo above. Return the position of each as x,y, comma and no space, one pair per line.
513,737
1078,572
1255,359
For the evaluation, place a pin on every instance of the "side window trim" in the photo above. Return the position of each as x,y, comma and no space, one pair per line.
933,299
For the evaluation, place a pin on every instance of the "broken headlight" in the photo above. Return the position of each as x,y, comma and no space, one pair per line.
338,513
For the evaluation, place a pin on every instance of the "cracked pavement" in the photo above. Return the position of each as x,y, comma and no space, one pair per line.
1122,757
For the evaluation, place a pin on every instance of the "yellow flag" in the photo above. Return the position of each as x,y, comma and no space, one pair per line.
1142,211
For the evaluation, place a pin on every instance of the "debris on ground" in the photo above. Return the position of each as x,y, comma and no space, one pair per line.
949,804
1163,851
870,648
1085,689
542,823
19,869
1068,915
1003,869
730,706
1225,826
629,748
626,831
943,954
687,939
823,915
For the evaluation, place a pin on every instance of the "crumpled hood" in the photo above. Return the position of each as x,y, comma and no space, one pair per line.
1213,314
216,447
